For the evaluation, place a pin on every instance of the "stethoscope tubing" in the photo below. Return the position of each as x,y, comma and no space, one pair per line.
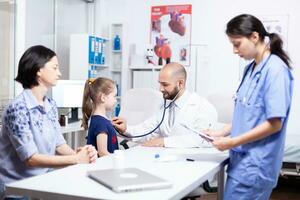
245,74
153,130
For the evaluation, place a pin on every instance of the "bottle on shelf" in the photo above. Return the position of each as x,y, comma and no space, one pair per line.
117,43
117,109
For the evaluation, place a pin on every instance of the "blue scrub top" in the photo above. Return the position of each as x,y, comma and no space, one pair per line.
264,93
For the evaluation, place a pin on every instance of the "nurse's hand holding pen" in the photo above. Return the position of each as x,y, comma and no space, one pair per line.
224,143
221,142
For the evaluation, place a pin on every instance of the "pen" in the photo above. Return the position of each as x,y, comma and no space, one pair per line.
189,159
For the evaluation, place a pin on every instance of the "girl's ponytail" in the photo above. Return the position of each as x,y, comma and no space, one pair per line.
87,105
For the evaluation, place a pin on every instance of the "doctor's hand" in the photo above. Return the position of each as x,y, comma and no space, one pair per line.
224,143
119,123
156,142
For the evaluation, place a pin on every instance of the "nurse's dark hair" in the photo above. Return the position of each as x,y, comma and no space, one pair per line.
93,89
30,63
245,25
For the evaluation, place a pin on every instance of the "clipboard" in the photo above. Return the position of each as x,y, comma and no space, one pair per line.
201,134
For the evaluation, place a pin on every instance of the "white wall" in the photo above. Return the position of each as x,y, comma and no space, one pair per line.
219,69
72,18
7,51
39,23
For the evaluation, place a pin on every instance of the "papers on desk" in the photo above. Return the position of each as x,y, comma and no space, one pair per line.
199,133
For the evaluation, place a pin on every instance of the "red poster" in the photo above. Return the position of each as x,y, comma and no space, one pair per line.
171,33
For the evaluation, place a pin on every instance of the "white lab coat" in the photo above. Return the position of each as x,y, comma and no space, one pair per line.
196,112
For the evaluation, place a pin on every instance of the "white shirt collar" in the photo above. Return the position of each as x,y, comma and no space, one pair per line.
182,100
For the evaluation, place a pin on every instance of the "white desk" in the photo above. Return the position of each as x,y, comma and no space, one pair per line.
72,182
70,133
72,127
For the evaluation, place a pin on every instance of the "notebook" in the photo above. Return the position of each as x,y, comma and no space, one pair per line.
128,179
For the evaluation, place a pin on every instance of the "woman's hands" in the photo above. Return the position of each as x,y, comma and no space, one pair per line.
86,154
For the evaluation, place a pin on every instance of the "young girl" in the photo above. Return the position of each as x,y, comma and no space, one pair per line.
99,97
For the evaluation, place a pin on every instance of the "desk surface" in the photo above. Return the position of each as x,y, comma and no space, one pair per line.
72,183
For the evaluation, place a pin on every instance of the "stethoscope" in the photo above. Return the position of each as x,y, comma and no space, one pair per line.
158,125
257,76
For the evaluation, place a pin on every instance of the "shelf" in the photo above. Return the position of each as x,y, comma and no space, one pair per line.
116,51
100,66
146,67
116,70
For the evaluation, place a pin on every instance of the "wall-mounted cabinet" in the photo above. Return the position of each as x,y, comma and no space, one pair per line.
88,56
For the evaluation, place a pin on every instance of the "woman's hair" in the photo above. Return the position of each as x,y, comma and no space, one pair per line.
93,90
245,25
30,63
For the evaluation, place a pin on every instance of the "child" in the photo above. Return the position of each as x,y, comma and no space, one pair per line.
99,97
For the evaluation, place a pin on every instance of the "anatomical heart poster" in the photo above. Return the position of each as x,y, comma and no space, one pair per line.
171,34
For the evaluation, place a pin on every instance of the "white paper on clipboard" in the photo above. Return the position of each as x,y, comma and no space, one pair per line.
201,134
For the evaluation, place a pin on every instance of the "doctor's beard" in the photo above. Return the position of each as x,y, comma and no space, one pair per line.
171,95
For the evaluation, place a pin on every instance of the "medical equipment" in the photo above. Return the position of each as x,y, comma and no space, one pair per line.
257,75
162,119
199,133
291,157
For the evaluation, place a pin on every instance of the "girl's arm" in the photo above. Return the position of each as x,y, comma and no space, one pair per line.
102,144
263,130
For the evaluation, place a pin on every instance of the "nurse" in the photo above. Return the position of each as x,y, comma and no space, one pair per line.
262,104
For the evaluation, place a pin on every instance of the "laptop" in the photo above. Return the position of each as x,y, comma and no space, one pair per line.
128,179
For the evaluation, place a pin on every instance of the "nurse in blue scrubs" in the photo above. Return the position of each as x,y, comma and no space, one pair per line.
256,135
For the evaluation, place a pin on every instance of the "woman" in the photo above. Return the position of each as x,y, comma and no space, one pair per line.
262,106
31,142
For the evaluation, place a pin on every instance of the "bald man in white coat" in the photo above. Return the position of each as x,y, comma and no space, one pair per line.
187,109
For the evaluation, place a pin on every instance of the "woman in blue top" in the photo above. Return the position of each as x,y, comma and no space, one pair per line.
99,98
262,105
31,142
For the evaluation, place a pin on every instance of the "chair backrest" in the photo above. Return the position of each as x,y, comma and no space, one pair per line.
224,106
139,104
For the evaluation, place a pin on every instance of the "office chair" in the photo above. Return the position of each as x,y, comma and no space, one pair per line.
224,104
139,104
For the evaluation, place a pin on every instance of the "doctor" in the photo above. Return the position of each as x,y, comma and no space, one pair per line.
262,106
186,108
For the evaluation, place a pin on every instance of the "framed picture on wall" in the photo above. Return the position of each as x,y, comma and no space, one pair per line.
170,34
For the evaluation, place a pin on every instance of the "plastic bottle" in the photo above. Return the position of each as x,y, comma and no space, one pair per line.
117,43
117,109
119,159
